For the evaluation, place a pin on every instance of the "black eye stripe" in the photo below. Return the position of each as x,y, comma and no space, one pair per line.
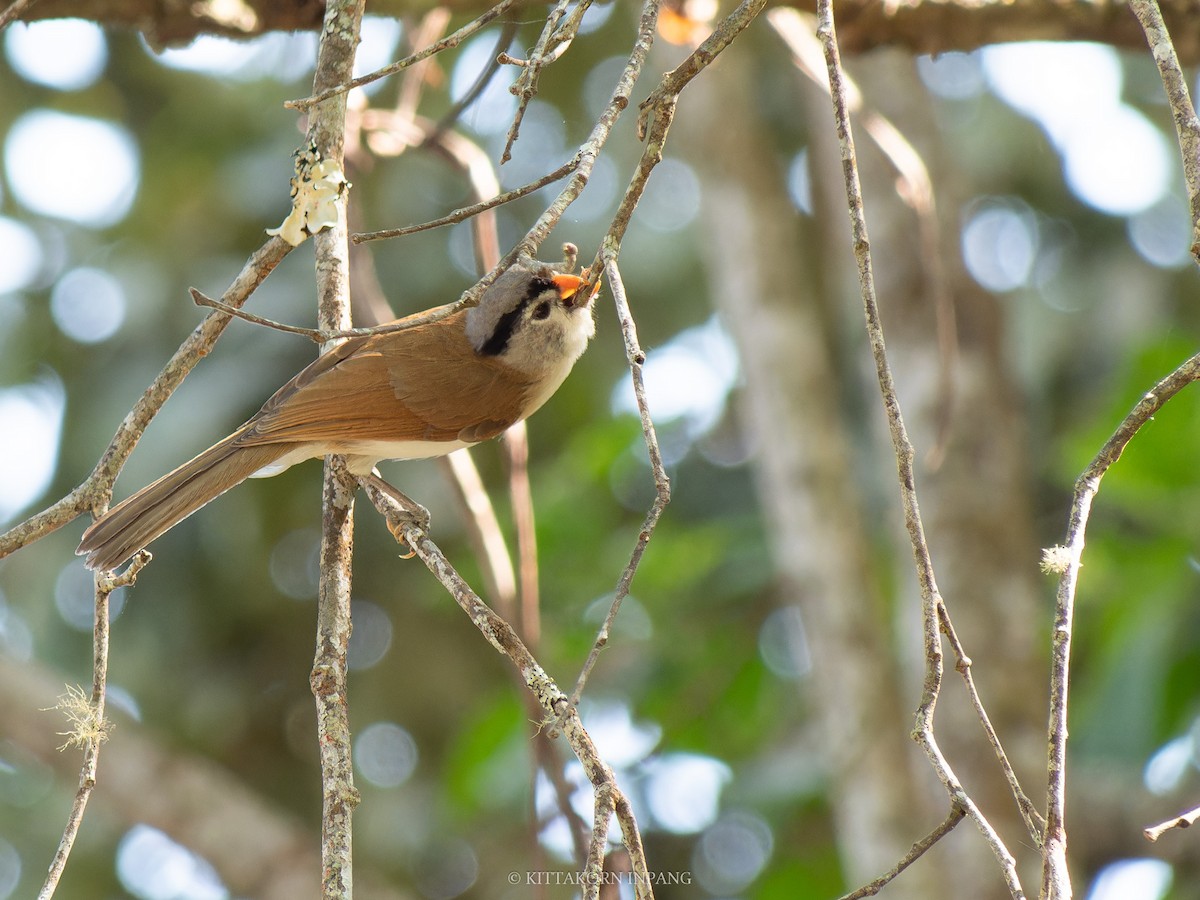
503,332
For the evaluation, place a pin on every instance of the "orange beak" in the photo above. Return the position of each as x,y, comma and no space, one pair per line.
568,285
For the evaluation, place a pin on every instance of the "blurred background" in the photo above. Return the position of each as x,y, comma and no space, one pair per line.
757,694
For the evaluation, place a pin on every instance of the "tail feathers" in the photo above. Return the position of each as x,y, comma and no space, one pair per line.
132,524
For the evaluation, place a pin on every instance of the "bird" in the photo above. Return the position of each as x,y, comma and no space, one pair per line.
413,393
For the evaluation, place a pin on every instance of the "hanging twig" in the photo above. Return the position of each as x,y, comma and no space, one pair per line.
931,600
89,727
662,485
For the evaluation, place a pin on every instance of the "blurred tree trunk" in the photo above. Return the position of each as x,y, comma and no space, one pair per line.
786,288
767,286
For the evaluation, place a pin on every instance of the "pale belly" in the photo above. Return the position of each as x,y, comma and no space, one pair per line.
363,455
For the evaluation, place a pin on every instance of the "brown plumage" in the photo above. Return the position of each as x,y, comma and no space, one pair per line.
423,391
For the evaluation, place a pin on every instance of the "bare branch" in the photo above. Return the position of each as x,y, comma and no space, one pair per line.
931,600
552,701
326,133
95,491
662,484
1187,127
918,850
1183,820
451,40
1056,879
91,727
14,11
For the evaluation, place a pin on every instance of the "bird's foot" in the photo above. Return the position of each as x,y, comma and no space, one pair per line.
410,513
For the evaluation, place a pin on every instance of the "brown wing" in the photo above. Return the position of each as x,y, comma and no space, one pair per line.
402,386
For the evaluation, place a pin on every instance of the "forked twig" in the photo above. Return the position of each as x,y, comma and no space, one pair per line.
931,600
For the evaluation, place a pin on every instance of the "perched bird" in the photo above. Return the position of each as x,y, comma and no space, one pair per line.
409,394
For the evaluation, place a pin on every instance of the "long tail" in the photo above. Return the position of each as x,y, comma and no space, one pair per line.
132,524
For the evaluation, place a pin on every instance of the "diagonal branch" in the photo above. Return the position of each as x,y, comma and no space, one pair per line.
95,491
554,702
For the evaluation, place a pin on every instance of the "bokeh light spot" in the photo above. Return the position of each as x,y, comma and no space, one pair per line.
22,256
952,76
66,54
88,305
385,754
999,245
72,167
683,790
151,866
733,852
1162,233
32,415
10,869
1132,879
783,644
371,637
1168,765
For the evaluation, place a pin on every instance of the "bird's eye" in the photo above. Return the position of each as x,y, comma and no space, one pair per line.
542,310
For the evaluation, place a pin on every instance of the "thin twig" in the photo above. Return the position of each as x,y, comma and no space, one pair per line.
1187,126
14,11
91,728
451,40
656,113
1035,824
466,212
931,600
919,849
915,190
507,32
590,149
662,485
96,489
1183,820
1056,878
313,334
525,87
